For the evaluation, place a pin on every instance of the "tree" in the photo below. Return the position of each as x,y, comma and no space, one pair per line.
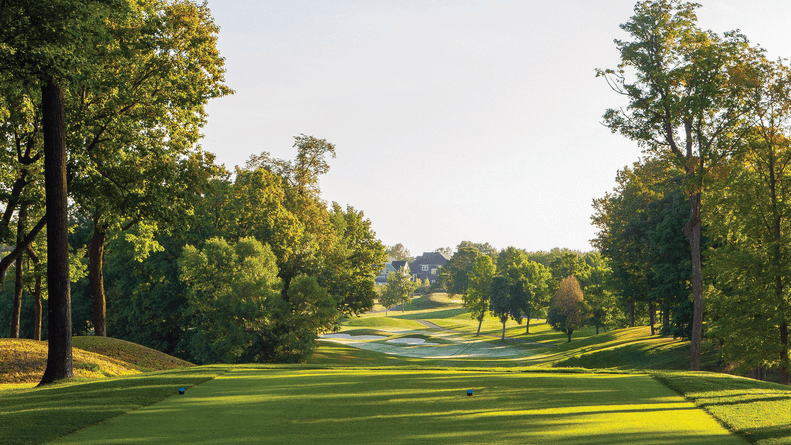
752,232
50,58
484,248
233,293
454,276
687,100
568,313
134,127
399,253
476,300
503,304
398,289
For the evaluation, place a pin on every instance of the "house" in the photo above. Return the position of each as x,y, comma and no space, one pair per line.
392,266
427,266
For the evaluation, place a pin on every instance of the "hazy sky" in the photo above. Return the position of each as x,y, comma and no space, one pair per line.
452,120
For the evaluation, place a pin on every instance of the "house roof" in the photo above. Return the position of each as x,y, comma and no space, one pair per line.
397,265
431,258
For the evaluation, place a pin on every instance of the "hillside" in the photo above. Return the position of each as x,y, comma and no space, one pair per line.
24,361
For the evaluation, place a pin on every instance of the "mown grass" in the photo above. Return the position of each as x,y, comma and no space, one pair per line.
345,389
385,406
39,415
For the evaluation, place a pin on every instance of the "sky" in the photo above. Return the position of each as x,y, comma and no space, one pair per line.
455,120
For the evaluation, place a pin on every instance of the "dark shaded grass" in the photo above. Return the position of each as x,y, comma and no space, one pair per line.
39,415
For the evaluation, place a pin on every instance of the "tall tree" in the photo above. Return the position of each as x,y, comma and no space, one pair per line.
476,300
687,91
752,229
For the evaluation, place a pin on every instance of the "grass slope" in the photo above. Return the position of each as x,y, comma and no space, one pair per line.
24,361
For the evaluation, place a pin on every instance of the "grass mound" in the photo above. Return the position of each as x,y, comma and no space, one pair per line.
630,348
24,361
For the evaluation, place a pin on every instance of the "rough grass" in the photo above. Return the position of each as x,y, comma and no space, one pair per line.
24,361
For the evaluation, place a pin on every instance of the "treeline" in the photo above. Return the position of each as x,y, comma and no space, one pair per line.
700,227
520,285
117,223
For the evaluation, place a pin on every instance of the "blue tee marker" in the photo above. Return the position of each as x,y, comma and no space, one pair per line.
182,390
469,392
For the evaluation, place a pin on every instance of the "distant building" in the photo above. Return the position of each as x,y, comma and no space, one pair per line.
427,266
392,266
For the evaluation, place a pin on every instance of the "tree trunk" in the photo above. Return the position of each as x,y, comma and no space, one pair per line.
16,313
503,338
36,295
59,357
597,328
527,324
665,318
652,317
96,260
480,322
693,231
569,332
784,378
631,313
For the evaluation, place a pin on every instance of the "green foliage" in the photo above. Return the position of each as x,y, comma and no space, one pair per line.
233,295
398,290
476,300
454,275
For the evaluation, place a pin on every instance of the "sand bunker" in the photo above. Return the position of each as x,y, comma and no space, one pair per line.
350,337
412,341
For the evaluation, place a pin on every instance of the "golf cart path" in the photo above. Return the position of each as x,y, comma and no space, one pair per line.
431,325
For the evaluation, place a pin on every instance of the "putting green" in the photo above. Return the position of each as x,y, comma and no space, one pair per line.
379,406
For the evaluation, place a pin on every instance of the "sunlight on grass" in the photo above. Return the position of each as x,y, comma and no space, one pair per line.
374,406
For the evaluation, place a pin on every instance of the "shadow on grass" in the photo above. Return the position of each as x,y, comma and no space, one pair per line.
40,415
375,407
447,313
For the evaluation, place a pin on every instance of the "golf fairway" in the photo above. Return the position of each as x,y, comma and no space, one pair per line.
380,406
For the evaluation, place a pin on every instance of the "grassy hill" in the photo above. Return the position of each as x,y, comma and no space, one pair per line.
24,361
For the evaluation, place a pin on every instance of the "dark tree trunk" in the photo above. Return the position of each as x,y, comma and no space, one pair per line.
693,231
665,318
503,337
480,322
96,259
652,317
36,295
6,262
569,332
527,323
16,313
59,357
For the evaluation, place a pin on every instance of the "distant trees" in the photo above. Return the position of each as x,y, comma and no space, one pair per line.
567,312
398,290
399,253
476,300
455,275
